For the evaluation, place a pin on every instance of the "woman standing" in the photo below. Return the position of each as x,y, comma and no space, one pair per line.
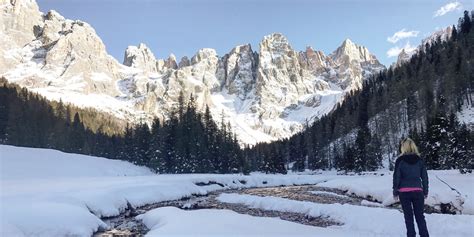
410,184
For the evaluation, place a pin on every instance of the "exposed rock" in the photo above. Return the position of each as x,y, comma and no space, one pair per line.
237,71
314,61
141,57
19,20
403,57
349,52
171,62
185,62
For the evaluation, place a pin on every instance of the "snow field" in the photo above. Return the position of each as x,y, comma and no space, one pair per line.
20,163
379,188
171,221
49,193
360,220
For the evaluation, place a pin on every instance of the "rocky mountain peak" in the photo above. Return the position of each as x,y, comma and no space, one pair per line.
203,54
275,42
237,70
314,61
69,51
20,21
140,57
347,43
349,51
171,62
184,62
239,49
404,56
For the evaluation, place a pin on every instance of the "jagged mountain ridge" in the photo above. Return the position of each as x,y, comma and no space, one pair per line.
406,54
265,95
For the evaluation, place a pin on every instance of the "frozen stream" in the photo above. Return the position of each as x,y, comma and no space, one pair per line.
126,224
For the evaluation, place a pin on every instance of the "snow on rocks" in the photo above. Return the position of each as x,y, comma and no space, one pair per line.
358,220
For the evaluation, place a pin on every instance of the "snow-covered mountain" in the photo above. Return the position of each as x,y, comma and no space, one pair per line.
265,95
406,53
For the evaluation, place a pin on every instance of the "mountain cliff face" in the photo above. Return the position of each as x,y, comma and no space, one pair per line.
265,95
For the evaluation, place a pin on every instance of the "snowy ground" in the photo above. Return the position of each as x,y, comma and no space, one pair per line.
170,221
49,193
365,221
377,186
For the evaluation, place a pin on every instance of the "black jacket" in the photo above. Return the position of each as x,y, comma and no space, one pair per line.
410,172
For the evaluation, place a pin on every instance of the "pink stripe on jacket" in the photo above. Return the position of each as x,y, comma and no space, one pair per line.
410,190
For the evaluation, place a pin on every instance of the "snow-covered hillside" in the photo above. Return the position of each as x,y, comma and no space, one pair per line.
35,163
265,94
49,193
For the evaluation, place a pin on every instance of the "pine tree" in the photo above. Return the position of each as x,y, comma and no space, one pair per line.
4,112
466,23
296,153
360,155
76,139
436,133
156,146
464,149
141,144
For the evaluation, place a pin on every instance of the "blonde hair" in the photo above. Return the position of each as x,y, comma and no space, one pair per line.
408,146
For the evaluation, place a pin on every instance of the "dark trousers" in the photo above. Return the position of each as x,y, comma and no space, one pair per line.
413,204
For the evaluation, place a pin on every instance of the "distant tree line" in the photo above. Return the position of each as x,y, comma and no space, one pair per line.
188,142
28,119
419,98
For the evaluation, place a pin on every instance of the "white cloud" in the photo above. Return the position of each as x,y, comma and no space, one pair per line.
402,34
452,6
395,51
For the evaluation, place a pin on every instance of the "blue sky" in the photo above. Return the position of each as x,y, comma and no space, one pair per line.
182,27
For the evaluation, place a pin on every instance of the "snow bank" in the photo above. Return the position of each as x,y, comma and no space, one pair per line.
171,221
378,187
47,219
365,221
328,194
29,163
50,193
